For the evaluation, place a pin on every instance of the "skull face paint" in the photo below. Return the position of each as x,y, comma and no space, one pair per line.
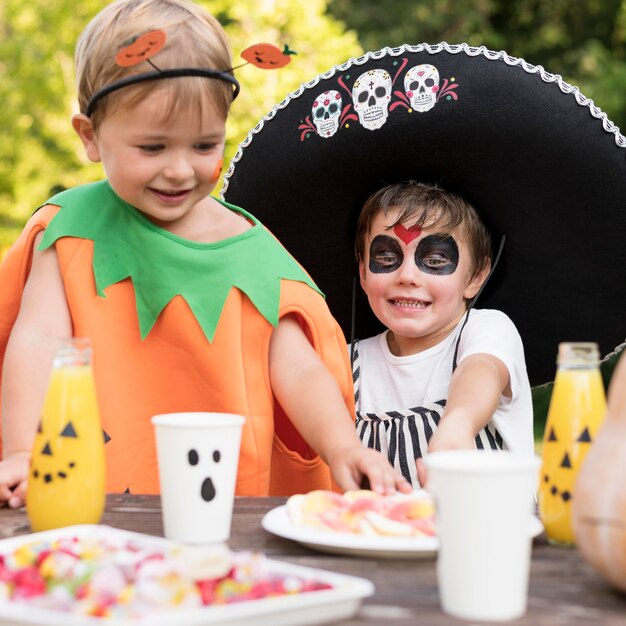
417,290
385,255
435,254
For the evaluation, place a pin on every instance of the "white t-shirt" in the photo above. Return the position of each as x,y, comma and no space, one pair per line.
391,383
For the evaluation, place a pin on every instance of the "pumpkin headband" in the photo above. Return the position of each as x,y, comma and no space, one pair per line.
142,48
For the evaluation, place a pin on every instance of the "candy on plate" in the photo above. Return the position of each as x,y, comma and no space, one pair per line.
365,512
115,575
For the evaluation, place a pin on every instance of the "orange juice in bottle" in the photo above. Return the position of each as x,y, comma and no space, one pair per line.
66,482
577,409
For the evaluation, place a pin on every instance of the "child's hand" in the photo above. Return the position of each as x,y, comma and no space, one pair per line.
349,466
13,475
452,434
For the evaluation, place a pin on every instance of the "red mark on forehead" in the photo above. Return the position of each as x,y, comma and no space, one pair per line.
407,234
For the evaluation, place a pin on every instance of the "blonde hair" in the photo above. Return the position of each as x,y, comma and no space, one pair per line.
421,205
194,39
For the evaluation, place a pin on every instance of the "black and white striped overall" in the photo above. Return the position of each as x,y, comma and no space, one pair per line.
403,435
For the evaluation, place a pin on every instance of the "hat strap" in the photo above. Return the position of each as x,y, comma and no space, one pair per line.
473,300
353,320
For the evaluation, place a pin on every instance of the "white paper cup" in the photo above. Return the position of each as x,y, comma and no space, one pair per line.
484,509
198,456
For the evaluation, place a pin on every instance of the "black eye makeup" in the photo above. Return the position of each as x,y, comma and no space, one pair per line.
437,254
385,255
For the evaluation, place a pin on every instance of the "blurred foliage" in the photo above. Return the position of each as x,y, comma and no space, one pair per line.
584,41
36,87
39,153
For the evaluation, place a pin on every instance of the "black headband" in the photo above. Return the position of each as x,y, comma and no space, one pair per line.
174,73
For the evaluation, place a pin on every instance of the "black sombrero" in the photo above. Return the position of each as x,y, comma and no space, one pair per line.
540,162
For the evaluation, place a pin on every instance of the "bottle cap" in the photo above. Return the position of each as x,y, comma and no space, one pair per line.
578,354
74,351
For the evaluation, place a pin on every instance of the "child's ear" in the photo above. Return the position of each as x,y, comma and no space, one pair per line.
362,272
476,282
84,129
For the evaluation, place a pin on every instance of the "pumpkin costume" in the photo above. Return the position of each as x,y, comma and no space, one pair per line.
170,333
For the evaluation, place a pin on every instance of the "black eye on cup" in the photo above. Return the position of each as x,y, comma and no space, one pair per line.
193,457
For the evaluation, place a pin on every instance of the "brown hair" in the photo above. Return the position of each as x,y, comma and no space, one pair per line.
421,205
194,39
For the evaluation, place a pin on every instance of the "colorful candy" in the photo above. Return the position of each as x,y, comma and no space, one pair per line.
365,512
112,576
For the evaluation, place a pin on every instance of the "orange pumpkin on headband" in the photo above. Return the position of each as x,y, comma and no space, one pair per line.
141,48
267,56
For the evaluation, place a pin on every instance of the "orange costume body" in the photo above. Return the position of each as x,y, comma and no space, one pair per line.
176,368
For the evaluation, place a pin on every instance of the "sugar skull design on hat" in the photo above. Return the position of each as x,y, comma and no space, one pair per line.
373,97
326,113
371,94
539,161
421,84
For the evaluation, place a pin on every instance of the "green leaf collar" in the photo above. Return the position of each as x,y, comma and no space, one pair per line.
162,265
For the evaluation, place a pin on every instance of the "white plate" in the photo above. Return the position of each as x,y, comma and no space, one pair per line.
308,608
277,522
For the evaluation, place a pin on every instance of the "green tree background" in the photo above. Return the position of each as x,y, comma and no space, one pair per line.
584,41
39,152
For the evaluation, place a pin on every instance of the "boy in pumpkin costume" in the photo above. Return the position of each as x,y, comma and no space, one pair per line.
190,303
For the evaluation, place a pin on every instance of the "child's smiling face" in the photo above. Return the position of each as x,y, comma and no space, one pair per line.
417,281
165,165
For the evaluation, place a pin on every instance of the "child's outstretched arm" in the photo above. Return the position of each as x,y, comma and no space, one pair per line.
473,396
44,316
310,396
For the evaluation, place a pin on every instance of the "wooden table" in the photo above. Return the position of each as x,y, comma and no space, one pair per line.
564,590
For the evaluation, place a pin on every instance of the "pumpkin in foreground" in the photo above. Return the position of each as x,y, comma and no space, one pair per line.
599,504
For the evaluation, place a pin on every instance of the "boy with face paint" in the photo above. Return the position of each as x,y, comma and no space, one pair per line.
443,375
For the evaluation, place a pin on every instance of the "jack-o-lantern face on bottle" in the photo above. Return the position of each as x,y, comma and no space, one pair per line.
577,408
563,454
67,471
57,455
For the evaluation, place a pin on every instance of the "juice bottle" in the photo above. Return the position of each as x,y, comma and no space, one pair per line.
66,482
577,408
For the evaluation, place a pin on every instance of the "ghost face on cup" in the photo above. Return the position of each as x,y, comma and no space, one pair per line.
417,281
203,471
